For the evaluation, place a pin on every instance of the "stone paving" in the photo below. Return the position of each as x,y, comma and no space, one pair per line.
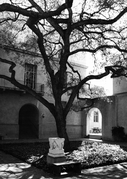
13,168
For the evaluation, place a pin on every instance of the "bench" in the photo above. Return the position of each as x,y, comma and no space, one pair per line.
95,130
66,167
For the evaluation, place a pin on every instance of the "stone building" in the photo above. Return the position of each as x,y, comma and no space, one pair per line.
21,115
24,117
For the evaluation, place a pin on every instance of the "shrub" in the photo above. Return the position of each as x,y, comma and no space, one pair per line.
118,133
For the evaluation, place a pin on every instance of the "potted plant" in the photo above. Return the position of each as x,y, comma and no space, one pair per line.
118,133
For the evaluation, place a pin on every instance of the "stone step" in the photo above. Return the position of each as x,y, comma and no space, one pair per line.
95,136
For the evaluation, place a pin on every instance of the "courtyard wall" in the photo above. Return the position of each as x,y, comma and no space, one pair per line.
121,119
107,107
10,104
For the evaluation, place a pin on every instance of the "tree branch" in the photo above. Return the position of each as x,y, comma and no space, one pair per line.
35,5
11,68
41,15
75,71
98,48
116,71
99,21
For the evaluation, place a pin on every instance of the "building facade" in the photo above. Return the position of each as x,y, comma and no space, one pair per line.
21,115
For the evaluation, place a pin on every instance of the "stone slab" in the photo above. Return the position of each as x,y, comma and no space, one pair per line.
51,160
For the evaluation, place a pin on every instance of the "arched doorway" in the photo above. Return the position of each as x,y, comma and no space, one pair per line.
28,122
94,123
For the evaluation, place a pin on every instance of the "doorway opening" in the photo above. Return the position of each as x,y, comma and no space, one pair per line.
28,122
94,123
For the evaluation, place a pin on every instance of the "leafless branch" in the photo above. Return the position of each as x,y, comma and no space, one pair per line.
43,15
98,48
98,21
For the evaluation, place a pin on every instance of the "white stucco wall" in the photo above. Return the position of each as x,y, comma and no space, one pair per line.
122,111
119,85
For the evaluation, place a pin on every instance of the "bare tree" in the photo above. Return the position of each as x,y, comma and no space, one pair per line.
63,29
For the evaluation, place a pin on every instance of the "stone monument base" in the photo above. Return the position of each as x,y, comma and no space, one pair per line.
51,160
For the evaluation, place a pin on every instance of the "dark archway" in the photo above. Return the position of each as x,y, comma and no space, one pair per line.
28,122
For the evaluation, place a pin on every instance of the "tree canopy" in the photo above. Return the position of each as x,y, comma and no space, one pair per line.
61,29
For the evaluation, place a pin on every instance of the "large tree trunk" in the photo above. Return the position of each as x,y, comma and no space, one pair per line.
61,127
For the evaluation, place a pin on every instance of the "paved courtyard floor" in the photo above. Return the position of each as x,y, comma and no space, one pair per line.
13,168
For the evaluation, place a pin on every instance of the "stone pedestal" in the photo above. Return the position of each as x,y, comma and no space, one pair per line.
56,151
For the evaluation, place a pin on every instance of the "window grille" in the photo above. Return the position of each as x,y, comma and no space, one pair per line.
30,75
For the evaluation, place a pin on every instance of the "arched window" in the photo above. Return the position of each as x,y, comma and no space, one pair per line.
96,116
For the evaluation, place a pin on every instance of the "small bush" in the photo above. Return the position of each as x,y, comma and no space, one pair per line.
118,133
